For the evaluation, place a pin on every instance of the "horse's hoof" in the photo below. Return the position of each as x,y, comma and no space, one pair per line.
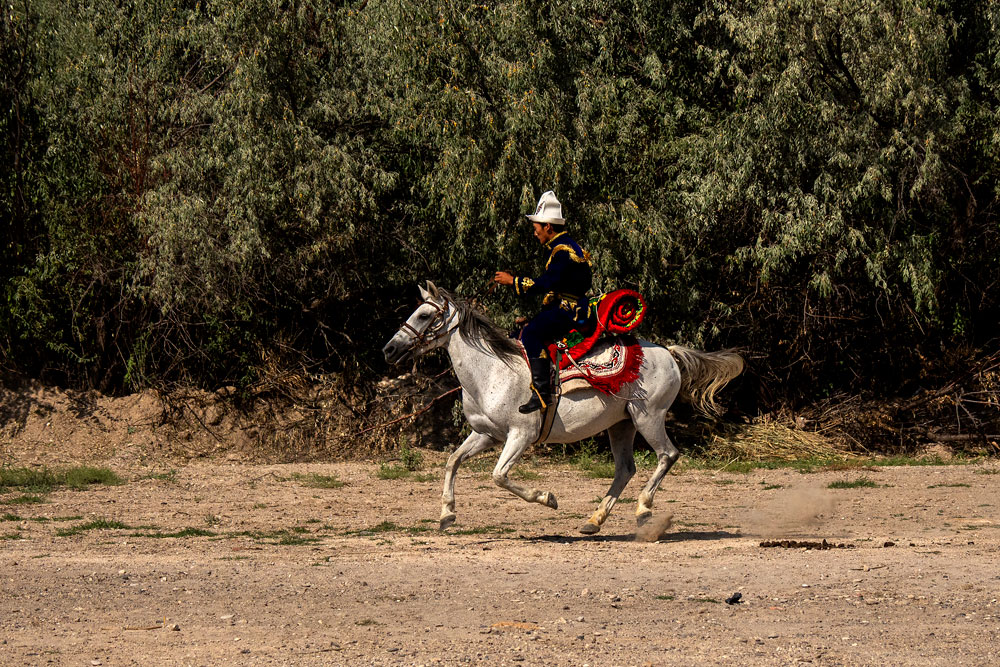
590,528
642,519
446,521
549,500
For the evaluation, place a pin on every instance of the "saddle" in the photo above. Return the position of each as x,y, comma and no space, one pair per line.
609,365
602,354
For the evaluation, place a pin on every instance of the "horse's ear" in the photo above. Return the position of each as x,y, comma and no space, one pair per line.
424,294
432,289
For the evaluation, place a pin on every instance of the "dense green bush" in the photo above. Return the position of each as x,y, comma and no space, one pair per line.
201,192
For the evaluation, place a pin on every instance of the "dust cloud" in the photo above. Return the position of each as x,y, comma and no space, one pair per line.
793,513
654,529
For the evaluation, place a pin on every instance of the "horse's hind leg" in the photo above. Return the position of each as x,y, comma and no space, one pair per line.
622,437
651,426
512,450
475,443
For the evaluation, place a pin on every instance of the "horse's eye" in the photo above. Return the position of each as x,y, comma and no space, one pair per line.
423,317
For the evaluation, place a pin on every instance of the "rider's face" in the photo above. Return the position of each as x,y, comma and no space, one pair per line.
543,233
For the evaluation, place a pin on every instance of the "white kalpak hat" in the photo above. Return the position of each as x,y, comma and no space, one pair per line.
548,210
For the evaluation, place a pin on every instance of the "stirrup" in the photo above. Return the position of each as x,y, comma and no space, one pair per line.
536,402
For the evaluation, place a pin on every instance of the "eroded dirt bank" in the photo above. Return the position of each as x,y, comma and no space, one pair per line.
226,563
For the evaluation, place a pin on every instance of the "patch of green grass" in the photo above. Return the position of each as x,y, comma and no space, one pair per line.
644,459
40,519
424,477
235,558
184,532
860,483
411,459
45,480
816,464
524,474
744,467
664,597
948,486
29,480
317,481
10,536
712,600
83,476
595,464
771,487
296,540
481,464
26,499
96,524
168,476
988,471
920,461
366,621
724,482
387,471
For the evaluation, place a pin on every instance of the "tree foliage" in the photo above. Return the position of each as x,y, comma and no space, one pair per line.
199,191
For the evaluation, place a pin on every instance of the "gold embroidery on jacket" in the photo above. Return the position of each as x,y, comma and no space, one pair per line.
521,285
579,259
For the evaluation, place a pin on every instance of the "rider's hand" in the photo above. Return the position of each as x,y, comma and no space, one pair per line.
503,278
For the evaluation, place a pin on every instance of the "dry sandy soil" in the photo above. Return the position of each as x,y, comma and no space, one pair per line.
205,557
296,575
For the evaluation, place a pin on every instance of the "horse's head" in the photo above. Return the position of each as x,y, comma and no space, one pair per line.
427,328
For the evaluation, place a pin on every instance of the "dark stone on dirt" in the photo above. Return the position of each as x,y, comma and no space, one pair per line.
796,544
734,598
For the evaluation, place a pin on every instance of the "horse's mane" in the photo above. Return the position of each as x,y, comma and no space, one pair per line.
481,332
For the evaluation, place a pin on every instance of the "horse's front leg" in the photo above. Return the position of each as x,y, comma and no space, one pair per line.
516,444
474,444
622,437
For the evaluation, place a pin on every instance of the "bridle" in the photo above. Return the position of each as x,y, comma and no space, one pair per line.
435,330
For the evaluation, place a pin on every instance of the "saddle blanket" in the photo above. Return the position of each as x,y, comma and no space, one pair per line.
610,364
614,313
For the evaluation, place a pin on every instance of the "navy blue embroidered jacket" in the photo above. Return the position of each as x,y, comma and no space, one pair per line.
566,279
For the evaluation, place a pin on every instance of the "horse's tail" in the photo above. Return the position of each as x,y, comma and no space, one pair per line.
703,374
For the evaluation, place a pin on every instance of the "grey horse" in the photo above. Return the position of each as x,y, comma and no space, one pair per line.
495,381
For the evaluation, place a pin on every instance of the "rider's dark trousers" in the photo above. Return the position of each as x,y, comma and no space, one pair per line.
550,325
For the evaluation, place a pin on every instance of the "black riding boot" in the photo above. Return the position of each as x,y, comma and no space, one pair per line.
541,385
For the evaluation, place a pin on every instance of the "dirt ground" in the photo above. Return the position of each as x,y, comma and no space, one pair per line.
206,556
278,572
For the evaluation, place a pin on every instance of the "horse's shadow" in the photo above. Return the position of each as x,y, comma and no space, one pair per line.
680,536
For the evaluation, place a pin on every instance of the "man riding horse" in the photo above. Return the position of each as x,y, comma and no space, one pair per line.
564,285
